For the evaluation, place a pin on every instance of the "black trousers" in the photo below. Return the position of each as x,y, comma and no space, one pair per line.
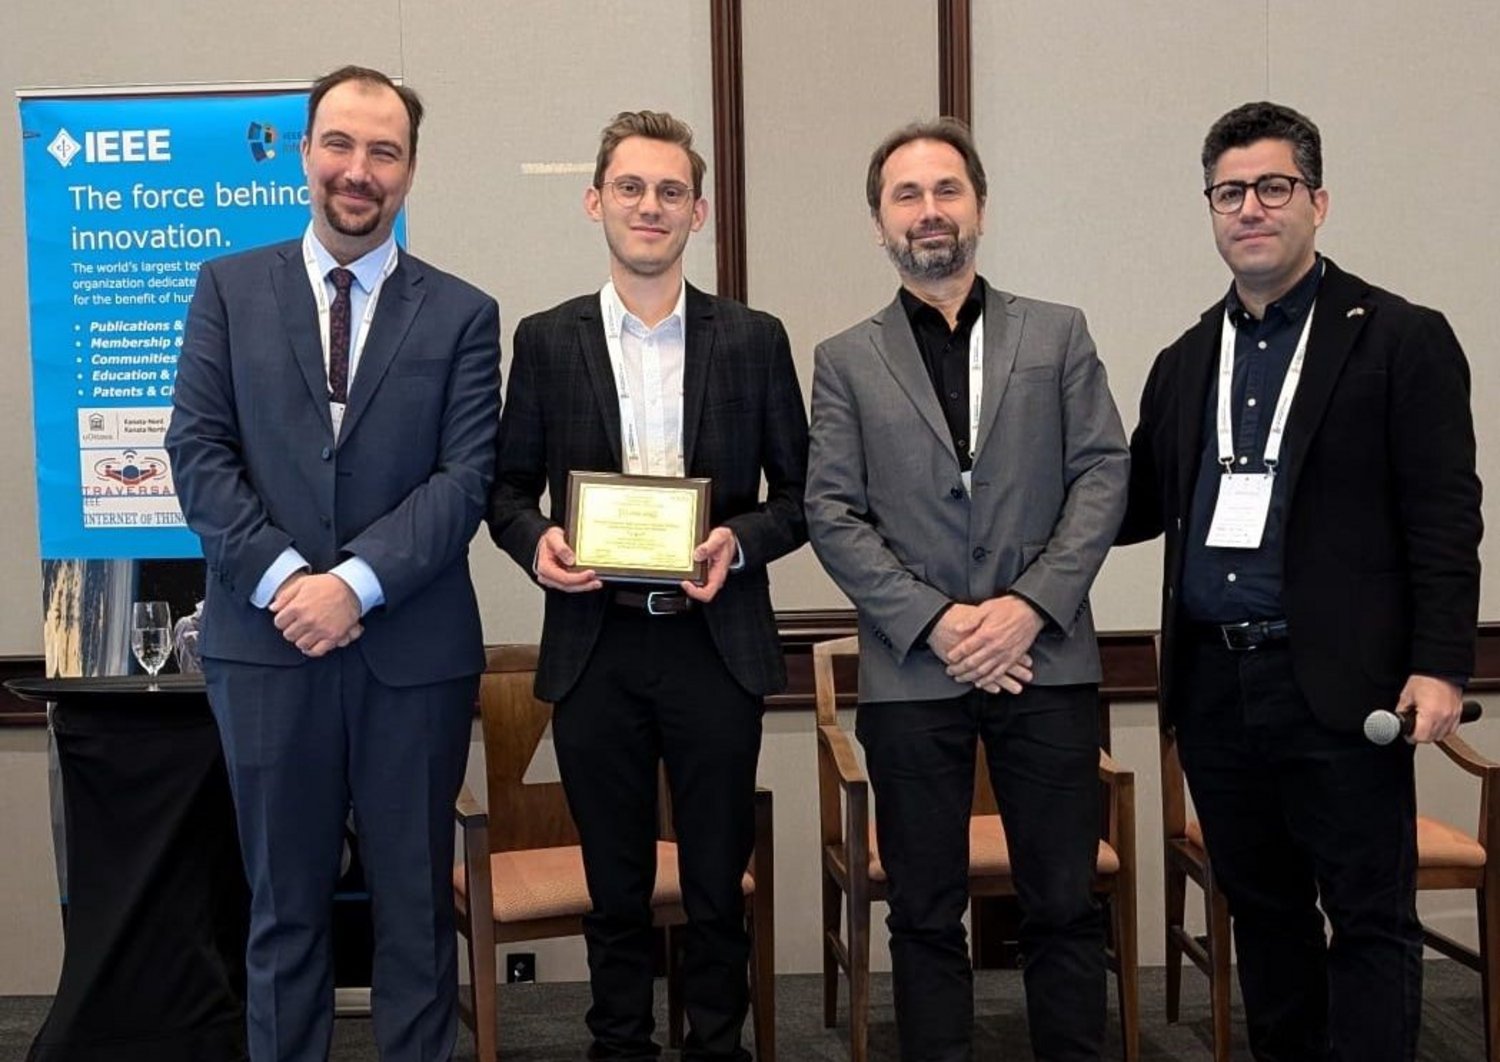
1292,814
1043,753
655,691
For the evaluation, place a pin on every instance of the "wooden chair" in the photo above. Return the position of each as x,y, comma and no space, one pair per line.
1447,858
853,877
521,876
1184,858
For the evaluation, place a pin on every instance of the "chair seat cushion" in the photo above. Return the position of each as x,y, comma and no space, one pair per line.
1194,831
1442,845
1438,844
538,883
988,854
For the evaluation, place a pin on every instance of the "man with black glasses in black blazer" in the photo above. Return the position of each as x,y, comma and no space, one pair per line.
1308,450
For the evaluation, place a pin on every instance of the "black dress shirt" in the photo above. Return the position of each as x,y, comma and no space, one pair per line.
1232,585
945,353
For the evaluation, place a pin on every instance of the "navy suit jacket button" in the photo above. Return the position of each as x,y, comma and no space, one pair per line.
979,553
956,493
327,452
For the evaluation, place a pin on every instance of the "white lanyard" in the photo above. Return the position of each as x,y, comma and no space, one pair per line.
976,396
1283,402
629,437
325,311
976,383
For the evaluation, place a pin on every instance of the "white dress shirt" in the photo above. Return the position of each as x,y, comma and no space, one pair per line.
651,359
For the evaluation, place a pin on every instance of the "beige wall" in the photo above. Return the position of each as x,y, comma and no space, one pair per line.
1089,116
1092,143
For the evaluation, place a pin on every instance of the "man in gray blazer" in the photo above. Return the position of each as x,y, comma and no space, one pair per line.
966,477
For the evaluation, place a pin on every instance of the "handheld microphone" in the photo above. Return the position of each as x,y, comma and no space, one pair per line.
1382,726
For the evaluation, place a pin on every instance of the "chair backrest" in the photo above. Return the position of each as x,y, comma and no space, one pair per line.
835,678
522,814
528,814
1173,784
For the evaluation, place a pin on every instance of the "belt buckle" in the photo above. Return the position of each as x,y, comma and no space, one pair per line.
652,610
1238,636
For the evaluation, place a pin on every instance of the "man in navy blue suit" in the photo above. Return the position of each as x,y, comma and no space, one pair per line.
333,442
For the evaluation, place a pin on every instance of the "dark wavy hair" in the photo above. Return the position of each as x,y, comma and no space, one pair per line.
1251,122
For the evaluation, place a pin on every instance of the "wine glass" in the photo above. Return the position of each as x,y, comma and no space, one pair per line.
151,636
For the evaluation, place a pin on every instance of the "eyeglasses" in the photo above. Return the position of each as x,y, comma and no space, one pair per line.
1272,190
628,191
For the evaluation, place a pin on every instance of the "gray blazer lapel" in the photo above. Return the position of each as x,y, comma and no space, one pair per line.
698,354
897,347
1003,323
595,352
299,316
400,298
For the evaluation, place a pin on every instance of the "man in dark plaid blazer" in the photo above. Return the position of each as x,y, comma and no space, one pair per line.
651,376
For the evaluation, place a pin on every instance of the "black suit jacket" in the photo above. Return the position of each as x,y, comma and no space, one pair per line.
1381,564
742,414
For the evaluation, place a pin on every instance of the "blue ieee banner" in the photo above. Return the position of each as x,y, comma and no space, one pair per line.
125,197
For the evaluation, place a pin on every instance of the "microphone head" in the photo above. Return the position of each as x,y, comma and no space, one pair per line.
1382,727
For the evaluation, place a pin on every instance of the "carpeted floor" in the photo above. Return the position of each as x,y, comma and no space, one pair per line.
544,1023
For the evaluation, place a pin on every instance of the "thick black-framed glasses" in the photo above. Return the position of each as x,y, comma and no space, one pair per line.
628,191
1272,190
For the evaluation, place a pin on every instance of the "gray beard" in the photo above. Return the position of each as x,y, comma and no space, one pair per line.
937,263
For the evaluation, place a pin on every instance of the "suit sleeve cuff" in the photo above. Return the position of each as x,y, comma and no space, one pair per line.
361,578
1456,678
1047,618
937,616
286,564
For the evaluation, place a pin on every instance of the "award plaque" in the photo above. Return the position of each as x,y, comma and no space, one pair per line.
637,528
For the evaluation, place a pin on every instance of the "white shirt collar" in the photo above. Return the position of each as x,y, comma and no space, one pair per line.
622,315
366,268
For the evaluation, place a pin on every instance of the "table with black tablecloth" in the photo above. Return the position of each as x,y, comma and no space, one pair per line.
156,911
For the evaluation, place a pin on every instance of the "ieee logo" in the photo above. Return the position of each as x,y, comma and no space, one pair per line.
113,145
63,147
262,137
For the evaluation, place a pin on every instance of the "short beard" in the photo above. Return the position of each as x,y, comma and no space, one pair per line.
937,263
339,225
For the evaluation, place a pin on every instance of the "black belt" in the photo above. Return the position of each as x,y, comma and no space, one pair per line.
655,602
1243,637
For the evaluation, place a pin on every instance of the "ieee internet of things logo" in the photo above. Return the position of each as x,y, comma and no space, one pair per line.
130,469
63,147
262,137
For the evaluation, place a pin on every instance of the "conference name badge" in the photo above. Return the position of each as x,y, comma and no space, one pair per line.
1240,514
637,528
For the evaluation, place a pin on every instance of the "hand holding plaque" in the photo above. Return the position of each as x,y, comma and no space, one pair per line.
554,567
717,552
637,528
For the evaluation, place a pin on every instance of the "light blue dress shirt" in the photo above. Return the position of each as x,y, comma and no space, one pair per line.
354,571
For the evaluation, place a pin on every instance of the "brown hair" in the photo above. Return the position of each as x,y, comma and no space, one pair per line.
654,125
951,131
409,97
